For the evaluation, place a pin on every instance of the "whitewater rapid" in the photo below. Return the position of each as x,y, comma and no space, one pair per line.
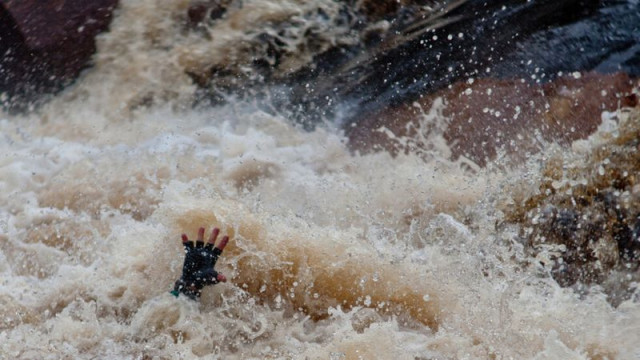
333,254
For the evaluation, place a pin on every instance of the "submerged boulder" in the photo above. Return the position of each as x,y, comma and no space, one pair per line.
583,223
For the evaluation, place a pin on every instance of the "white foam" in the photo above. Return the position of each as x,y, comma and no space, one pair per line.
333,255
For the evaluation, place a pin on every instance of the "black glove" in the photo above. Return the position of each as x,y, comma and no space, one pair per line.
199,261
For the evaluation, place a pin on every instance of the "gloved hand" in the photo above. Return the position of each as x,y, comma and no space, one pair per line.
199,262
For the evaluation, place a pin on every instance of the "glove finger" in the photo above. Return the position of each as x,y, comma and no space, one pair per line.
221,278
200,240
185,241
223,243
212,238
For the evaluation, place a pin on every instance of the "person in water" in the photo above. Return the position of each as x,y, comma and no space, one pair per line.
199,262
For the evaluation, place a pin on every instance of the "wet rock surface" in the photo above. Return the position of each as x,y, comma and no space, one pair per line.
488,116
356,58
456,40
360,58
46,44
201,12
583,223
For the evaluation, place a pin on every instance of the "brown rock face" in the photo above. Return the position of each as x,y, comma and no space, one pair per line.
486,115
50,41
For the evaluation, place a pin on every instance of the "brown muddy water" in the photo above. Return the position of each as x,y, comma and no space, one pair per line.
333,254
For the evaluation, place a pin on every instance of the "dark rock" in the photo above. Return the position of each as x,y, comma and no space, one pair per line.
50,43
197,13
387,54
630,100
204,11
421,47
585,217
426,51
16,62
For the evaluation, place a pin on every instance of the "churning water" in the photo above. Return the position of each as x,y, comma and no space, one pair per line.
333,254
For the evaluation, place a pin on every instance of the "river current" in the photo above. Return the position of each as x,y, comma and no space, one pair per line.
333,254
